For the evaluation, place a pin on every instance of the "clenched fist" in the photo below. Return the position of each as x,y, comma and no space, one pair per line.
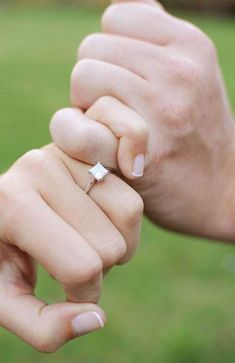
150,98
47,218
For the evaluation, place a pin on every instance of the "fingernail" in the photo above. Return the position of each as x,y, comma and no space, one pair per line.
87,322
138,166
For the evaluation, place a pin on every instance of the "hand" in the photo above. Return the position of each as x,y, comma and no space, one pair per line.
166,72
46,217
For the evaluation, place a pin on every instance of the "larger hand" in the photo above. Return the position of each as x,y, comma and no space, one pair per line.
166,70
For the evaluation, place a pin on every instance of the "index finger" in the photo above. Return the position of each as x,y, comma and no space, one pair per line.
141,21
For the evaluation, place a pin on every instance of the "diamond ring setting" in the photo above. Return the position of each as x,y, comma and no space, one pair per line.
98,172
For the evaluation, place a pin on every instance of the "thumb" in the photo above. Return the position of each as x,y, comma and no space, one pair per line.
48,327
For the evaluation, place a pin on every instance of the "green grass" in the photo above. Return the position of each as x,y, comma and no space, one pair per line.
175,302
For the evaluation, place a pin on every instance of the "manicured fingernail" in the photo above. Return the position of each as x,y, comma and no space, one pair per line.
138,166
87,322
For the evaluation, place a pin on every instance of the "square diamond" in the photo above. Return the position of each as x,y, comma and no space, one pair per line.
98,172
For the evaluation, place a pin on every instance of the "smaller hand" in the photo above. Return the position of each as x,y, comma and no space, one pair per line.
46,217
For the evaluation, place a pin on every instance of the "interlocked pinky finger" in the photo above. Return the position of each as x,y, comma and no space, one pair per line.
131,130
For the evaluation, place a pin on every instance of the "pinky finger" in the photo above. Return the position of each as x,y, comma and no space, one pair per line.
131,130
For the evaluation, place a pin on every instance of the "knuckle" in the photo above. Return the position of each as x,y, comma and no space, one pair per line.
59,126
45,337
70,138
103,103
6,202
184,70
89,44
44,344
5,188
114,251
109,16
58,118
132,210
81,273
199,38
140,131
193,33
178,114
82,69
80,79
13,203
208,48
77,76
35,160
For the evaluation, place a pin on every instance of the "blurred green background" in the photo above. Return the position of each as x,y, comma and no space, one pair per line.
175,302
215,5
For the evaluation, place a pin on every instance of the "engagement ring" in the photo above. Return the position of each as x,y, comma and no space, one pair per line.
98,172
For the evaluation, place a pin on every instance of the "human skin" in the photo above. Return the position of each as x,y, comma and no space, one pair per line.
47,218
152,83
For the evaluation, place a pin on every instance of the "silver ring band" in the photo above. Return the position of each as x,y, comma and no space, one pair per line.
89,186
